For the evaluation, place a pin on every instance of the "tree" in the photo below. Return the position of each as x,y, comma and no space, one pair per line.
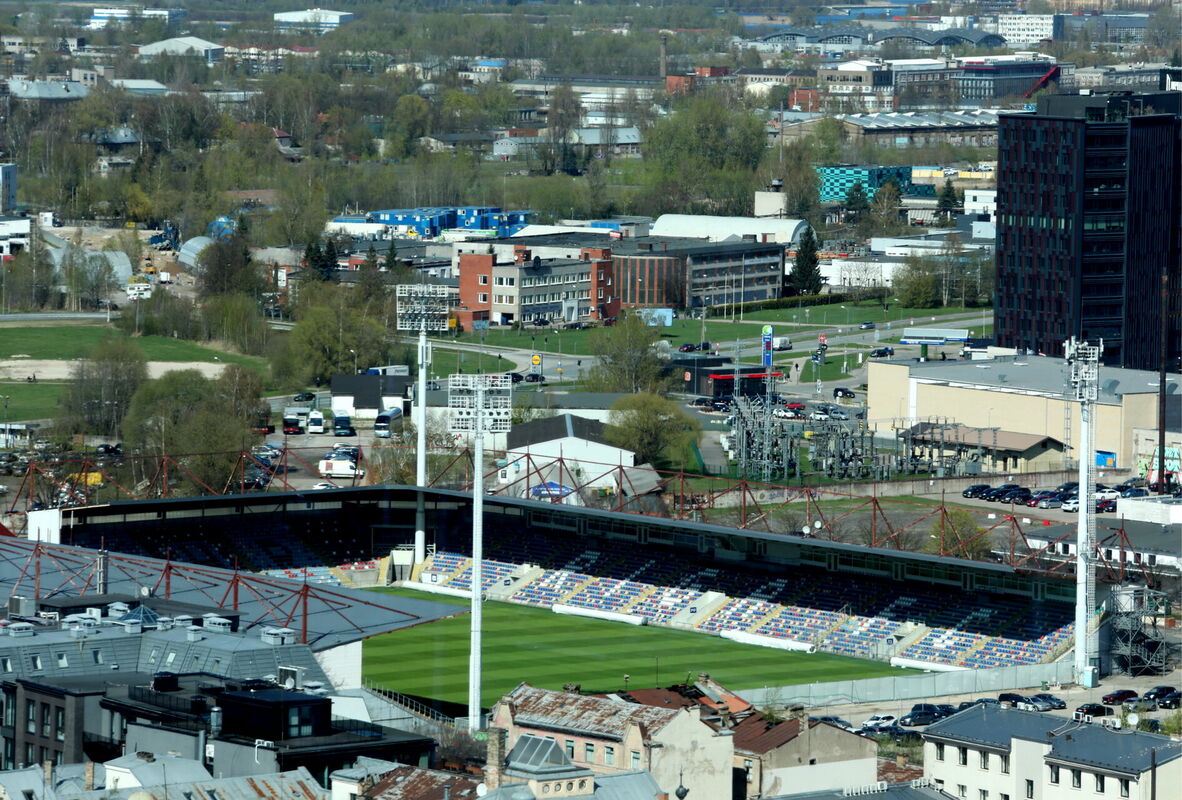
650,426
805,277
225,267
332,335
371,284
800,181
628,361
856,205
948,201
885,209
102,386
565,112
328,261
915,284
956,533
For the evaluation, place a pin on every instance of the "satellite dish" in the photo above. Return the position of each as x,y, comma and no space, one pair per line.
481,790
289,682
1134,718
817,524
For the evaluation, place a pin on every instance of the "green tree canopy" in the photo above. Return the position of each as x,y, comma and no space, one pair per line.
654,428
628,361
805,277
97,398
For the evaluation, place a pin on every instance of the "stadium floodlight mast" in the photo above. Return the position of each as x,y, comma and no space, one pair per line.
478,404
422,307
1083,360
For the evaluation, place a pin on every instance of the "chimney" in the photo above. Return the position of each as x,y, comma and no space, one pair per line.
664,56
495,759
88,776
47,768
901,759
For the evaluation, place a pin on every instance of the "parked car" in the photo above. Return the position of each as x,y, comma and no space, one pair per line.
1037,703
1018,496
841,391
1158,692
576,326
1139,705
688,348
918,718
838,414
1070,504
1053,501
1094,710
879,721
832,720
1040,495
1011,699
867,326
304,397
541,322
1135,491
794,406
1171,700
882,352
702,402
1054,702
896,734
1104,493
980,701
976,490
819,416
1107,506
947,710
516,377
1130,483
1070,486
535,377
323,485
993,494
1117,697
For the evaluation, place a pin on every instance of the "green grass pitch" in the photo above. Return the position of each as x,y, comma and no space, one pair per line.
547,649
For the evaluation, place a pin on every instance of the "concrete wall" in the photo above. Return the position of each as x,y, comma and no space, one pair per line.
821,777
695,755
342,664
822,757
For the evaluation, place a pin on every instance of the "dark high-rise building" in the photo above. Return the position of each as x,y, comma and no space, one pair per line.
1089,216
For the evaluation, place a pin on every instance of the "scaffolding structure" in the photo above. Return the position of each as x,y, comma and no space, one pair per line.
1083,360
1137,646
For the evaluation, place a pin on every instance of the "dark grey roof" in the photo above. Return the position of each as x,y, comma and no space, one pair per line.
561,427
335,615
368,390
1074,743
948,37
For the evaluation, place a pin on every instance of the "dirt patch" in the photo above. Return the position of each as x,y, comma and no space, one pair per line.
59,370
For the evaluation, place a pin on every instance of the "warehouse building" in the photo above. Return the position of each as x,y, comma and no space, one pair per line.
313,20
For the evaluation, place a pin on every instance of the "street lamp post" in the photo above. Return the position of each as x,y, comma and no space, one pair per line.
354,352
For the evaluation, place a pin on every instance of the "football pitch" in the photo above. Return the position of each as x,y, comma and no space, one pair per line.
548,650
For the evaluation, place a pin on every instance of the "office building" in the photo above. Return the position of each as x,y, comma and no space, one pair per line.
837,180
1088,210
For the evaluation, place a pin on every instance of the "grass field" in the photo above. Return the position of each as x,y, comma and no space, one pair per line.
31,400
65,341
548,650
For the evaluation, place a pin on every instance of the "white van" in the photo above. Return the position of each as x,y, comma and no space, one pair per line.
339,468
315,421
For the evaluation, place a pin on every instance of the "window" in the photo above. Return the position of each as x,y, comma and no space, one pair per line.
635,759
1029,789
1005,764
939,751
747,765
484,280
984,760
169,658
30,718
1054,774
97,655
589,753
982,794
1100,784
63,660
498,281
6,664
1124,787
1076,779
962,756
570,749
609,755
36,662
59,724
1004,796
483,297
961,790
299,721
46,714
154,655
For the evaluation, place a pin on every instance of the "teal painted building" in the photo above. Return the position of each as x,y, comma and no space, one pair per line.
836,181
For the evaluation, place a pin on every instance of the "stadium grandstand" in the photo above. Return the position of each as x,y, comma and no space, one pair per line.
767,587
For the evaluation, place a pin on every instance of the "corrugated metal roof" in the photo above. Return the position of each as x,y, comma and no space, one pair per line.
544,708
414,783
47,90
925,119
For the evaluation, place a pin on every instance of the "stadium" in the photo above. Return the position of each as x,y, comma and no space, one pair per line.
854,607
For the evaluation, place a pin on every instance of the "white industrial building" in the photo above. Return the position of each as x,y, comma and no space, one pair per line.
184,46
315,20
1029,28
728,229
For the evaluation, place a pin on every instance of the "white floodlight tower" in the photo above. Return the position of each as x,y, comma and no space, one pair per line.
478,404
422,307
1084,362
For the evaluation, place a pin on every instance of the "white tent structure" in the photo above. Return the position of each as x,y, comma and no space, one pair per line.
725,229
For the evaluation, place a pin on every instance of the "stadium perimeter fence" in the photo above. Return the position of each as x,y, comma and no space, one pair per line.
913,687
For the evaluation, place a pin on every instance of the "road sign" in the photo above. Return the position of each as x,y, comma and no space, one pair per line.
767,330
536,360
767,346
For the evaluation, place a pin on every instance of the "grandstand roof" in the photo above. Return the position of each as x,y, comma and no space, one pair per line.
950,36
328,616
1086,744
582,714
985,117
563,426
